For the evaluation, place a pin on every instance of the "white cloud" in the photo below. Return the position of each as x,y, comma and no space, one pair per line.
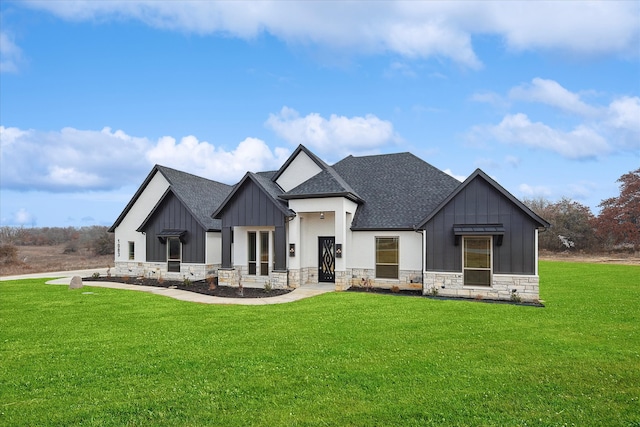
410,29
625,113
534,190
204,159
21,217
337,135
73,160
491,98
552,93
10,54
581,142
460,178
602,129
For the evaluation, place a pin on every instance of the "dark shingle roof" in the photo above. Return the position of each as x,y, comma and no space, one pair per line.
398,189
325,184
265,179
200,196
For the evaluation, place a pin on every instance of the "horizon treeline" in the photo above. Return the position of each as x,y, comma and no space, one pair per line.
573,226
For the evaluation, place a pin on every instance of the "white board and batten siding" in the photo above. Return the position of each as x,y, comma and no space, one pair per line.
126,230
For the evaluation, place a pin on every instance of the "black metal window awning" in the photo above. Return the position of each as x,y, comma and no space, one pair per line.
478,230
166,233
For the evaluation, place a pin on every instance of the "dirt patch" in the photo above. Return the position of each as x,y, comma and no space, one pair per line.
604,258
199,286
43,259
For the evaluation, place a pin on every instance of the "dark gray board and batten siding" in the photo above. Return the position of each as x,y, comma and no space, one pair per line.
251,206
480,203
172,214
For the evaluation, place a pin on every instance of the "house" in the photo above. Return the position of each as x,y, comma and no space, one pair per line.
387,220
166,229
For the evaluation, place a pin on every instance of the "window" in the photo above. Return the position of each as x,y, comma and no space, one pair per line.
252,252
132,251
387,257
477,261
174,254
258,252
264,253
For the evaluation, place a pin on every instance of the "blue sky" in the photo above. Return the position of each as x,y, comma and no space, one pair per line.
543,96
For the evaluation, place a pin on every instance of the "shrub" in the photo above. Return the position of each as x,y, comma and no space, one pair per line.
186,281
395,289
515,297
267,286
95,275
211,280
8,254
104,244
71,247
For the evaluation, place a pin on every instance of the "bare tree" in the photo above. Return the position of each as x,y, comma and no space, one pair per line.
571,225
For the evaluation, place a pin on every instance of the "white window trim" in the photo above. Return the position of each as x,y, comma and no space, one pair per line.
490,269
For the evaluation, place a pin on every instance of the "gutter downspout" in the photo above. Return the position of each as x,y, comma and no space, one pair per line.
424,252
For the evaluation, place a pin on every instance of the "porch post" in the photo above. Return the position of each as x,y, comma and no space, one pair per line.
281,248
226,247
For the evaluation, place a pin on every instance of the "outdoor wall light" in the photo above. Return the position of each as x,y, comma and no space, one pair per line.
321,215
338,250
292,249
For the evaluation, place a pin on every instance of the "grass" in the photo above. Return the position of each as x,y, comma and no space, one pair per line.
126,358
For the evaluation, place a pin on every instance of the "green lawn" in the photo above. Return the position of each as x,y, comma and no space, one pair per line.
130,358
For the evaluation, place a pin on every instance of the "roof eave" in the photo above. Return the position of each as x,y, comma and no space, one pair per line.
350,196
398,228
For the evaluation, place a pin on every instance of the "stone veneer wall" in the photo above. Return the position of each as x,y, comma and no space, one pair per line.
408,279
526,287
152,270
230,277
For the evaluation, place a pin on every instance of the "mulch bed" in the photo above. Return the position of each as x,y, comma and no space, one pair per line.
373,290
199,286
418,293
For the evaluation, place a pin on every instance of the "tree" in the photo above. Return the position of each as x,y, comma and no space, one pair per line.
618,225
571,225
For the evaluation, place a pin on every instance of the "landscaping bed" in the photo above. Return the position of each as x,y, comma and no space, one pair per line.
418,293
198,286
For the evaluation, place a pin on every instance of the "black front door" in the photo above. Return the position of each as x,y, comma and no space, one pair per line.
327,259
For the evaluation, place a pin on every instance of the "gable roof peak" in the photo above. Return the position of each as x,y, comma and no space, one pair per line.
479,173
301,148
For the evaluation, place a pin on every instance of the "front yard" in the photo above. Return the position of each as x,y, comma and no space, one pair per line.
97,356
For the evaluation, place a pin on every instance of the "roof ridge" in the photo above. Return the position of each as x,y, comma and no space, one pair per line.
163,168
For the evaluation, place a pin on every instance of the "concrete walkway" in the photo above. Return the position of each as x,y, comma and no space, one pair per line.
302,292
